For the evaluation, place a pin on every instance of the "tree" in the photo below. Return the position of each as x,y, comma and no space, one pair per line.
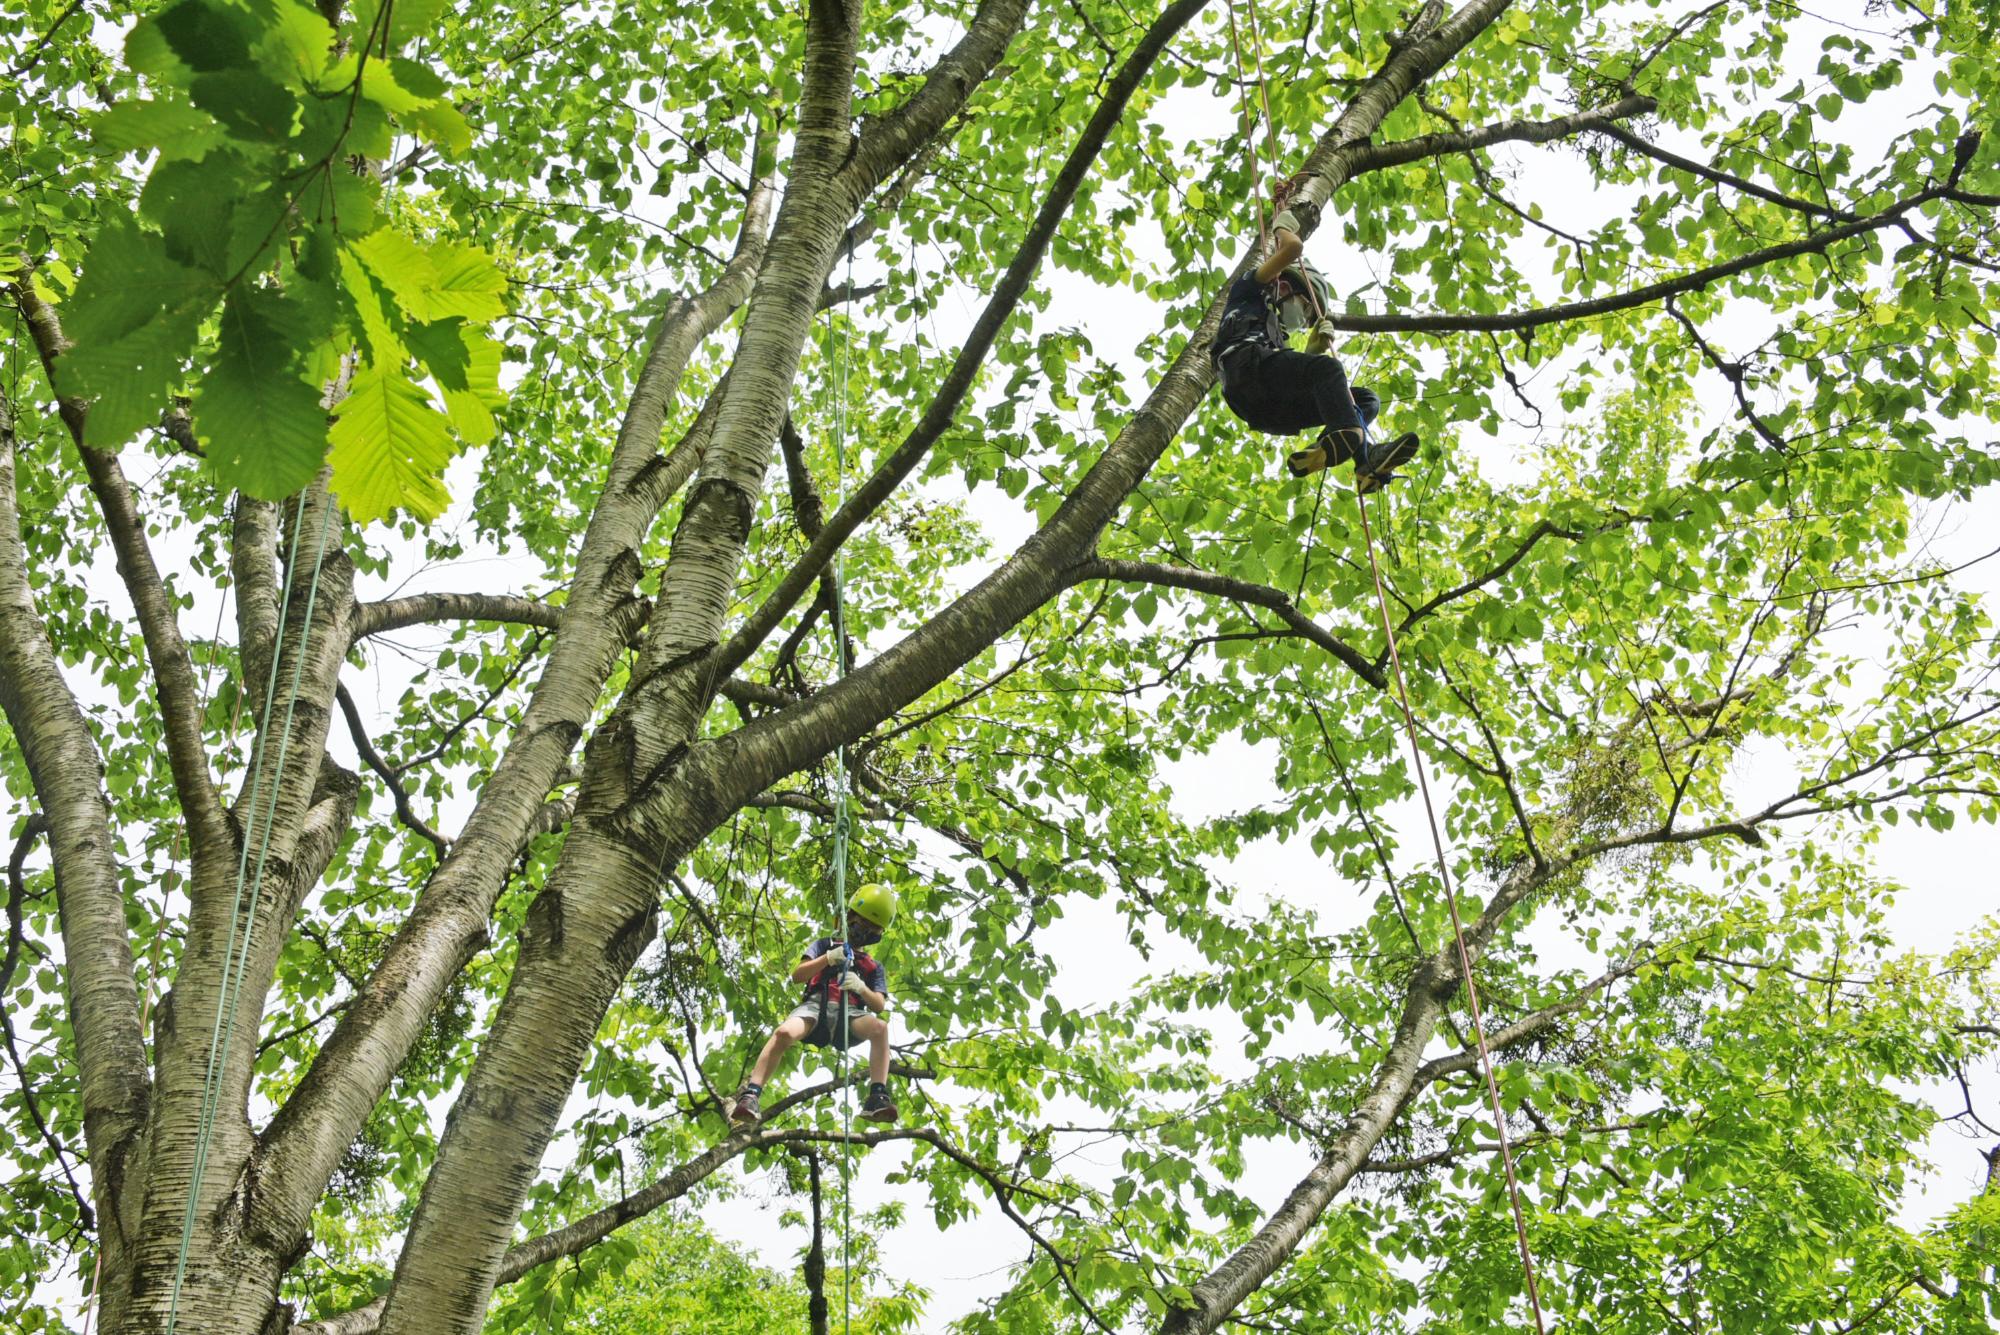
284,213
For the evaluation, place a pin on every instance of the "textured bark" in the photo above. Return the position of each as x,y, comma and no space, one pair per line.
288,821
590,922
957,383
449,922
166,652
101,991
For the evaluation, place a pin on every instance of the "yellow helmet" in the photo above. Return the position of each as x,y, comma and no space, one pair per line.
876,903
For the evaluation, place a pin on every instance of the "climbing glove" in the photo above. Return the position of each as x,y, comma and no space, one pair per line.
1286,222
853,985
1321,337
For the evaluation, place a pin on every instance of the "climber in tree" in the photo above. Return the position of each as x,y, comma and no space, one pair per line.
1283,392
846,1001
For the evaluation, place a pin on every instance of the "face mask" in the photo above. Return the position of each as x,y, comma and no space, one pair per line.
862,932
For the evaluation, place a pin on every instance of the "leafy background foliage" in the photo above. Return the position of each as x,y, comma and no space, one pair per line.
1724,1140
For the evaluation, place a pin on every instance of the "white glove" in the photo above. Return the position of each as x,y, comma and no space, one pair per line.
853,985
1286,222
1321,337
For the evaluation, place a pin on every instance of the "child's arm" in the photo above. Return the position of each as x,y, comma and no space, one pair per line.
860,991
1285,250
809,969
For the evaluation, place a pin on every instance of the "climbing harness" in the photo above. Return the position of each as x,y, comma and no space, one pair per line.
1285,187
236,957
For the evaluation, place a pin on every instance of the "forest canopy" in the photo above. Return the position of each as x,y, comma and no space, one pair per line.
510,513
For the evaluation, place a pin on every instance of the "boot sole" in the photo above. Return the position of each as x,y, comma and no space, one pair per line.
1397,453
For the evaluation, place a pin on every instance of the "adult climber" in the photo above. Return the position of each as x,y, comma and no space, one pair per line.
846,1001
1283,392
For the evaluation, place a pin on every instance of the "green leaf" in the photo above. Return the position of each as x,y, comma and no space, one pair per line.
297,43
261,423
248,102
408,274
468,284
179,130
390,448
132,324
207,37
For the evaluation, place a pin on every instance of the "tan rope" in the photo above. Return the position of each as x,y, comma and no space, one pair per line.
1457,924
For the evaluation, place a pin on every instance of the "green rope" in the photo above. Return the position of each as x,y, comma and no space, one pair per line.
236,958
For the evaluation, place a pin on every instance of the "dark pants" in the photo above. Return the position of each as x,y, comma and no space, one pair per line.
1285,392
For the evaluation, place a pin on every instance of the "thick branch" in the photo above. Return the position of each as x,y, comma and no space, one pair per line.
424,608
1375,157
893,139
449,923
1236,590
166,652
957,383
67,772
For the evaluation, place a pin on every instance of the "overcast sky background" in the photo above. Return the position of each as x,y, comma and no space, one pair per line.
1951,877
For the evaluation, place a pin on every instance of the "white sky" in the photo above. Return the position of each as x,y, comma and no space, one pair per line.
1950,877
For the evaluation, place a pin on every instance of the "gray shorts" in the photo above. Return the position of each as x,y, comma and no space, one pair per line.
827,1034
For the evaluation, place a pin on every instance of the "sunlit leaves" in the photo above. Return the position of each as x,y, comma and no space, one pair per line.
390,447
256,116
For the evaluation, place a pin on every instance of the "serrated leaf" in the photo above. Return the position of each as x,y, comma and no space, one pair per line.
390,448
441,124
247,101
471,408
409,19
207,37
179,130
468,284
371,305
132,324
407,272
260,421
296,43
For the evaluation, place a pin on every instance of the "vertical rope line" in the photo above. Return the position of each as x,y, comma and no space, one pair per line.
1249,127
838,362
1457,924
236,956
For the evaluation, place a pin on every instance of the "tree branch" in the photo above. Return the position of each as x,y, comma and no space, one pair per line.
67,771
167,653
957,383
373,759
1693,281
1375,157
424,608
1241,591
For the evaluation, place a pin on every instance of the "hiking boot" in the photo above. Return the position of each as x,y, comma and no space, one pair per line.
1377,469
1334,446
878,1106
745,1107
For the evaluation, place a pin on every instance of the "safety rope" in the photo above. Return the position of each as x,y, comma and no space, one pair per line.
1451,903
838,360
1283,190
236,957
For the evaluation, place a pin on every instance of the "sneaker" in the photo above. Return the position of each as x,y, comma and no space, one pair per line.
878,1107
745,1108
1372,474
1333,447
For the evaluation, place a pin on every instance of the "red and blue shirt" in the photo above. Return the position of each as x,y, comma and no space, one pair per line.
873,976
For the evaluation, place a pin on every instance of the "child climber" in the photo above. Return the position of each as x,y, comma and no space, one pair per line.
1283,392
847,994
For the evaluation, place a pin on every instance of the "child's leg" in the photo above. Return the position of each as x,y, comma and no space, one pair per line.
775,1048
1336,402
876,1030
